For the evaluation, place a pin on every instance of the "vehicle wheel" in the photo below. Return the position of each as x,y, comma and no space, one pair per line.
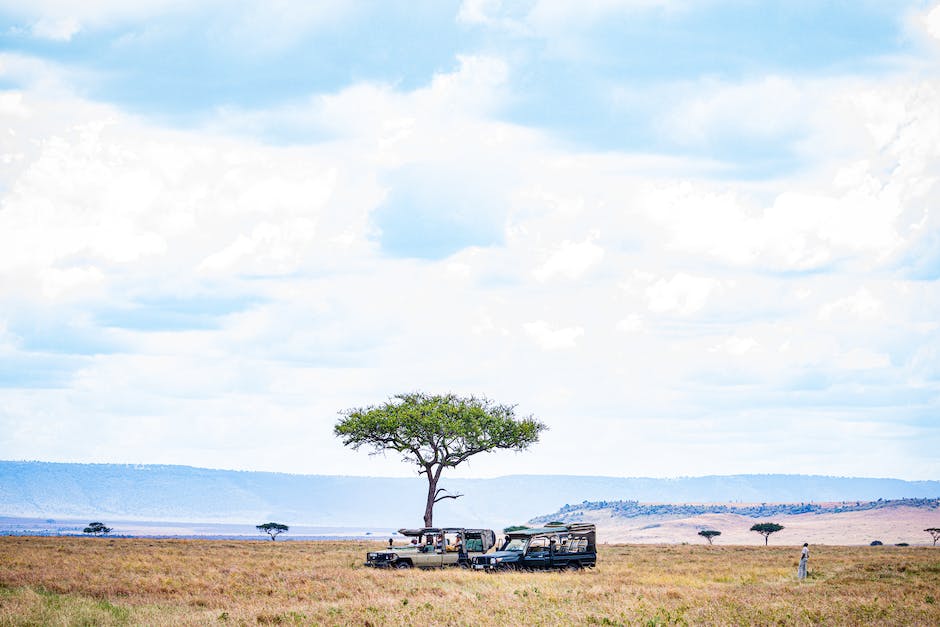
573,567
403,565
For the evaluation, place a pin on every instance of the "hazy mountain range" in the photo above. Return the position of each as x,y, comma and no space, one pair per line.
183,493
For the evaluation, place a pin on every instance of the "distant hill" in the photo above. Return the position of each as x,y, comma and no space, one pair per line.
634,509
183,493
890,521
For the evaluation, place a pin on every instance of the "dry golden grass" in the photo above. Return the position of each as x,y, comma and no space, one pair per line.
102,581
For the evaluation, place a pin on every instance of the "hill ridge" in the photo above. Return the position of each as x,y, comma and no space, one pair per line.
634,509
188,493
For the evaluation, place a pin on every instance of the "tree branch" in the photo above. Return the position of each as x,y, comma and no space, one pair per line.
446,496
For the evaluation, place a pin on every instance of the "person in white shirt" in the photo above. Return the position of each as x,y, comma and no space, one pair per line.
804,557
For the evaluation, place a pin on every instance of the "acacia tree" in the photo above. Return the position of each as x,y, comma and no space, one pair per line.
436,432
272,529
96,529
765,529
934,533
709,534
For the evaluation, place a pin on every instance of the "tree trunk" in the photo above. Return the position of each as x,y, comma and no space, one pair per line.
767,537
434,476
429,507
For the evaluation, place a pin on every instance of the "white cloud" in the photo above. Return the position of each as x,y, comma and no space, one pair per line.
772,106
549,337
682,294
631,324
56,29
860,306
56,283
738,345
617,287
268,25
551,16
863,359
932,22
571,260
57,17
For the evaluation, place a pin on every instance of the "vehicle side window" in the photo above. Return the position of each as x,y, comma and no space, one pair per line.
474,544
577,545
538,545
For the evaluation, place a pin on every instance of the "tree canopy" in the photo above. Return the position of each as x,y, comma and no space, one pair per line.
96,529
709,534
272,529
435,432
765,529
934,533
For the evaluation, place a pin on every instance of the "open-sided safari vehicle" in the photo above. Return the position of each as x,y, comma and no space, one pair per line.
571,546
434,547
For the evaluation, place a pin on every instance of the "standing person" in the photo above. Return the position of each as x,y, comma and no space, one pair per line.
804,557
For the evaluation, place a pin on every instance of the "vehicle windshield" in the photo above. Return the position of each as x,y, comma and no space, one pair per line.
474,544
515,544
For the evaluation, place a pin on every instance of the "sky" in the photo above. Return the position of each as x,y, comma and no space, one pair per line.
692,238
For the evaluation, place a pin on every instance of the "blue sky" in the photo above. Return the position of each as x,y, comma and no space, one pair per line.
693,238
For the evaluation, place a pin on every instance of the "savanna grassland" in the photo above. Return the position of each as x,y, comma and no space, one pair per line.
117,581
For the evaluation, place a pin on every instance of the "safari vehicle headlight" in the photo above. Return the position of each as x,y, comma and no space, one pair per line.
371,556
496,560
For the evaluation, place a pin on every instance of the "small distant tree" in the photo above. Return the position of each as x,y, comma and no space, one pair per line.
934,533
512,528
765,529
437,432
96,529
709,534
273,529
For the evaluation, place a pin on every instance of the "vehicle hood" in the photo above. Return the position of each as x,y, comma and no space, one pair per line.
403,549
504,555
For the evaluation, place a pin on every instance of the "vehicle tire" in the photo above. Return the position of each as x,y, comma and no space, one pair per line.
573,567
403,565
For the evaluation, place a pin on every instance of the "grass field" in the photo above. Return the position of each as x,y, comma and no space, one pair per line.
112,581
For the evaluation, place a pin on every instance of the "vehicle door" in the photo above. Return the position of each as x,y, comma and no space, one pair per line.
427,557
538,554
450,555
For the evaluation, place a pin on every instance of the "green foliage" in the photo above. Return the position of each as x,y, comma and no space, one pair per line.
97,529
272,529
709,534
765,529
435,432
512,528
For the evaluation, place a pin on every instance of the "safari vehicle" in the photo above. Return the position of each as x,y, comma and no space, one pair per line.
434,547
556,546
